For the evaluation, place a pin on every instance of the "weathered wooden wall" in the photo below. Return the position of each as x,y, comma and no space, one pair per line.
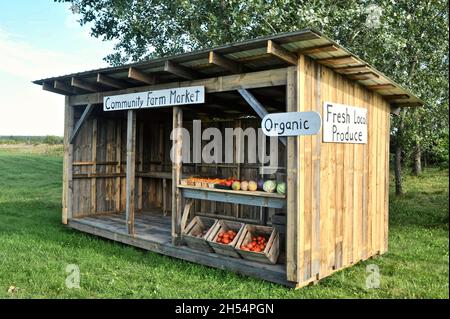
99,154
340,208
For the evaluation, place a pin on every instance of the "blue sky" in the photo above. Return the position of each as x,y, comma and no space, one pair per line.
40,38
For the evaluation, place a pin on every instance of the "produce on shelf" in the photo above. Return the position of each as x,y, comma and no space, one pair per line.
252,186
269,186
257,245
226,237
281,188
260,184
244,185
236,186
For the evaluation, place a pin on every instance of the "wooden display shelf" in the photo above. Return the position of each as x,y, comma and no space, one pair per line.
256,198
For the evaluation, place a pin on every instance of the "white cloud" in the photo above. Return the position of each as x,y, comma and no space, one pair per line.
25,109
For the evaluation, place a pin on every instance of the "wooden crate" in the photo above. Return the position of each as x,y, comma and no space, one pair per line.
197,225
272,250
225,225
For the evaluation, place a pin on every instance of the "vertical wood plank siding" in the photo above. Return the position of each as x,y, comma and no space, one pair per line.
342,188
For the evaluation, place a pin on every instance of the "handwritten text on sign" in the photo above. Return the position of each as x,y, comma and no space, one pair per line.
344,124
159,98
291,124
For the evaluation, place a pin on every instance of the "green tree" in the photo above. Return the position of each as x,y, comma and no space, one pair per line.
407,40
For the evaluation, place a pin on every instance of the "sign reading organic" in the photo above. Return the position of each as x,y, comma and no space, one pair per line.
291,123
158,98
344,124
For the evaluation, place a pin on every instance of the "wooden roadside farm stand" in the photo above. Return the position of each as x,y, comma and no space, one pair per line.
120,183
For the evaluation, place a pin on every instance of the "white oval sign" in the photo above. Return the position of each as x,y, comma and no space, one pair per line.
291,123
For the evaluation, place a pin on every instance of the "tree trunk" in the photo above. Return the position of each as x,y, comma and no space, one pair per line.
398,154
417,168
398,169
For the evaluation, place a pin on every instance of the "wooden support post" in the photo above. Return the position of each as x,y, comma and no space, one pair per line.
292,218
67,163
94,166
131,170
141,164
118,165
176,173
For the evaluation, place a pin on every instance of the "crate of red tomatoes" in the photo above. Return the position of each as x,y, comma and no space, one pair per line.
224,236
197,231
259,243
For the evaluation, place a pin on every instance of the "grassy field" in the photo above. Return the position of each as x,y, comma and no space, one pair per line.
35,248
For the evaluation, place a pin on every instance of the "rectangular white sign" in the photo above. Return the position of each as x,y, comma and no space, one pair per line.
158,98
344,123
291,123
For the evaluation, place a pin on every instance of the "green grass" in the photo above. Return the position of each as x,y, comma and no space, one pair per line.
35,249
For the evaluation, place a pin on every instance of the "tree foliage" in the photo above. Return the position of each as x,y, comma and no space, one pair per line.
407,40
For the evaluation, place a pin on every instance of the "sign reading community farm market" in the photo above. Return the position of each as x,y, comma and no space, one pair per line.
344,124
158,98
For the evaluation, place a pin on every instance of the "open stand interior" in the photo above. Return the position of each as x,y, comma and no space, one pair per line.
100,171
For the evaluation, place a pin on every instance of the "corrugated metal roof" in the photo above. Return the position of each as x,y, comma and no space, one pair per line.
252,55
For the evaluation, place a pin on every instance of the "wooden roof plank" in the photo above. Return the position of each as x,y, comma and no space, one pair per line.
140,76
277,51
180,71
110,82
224,63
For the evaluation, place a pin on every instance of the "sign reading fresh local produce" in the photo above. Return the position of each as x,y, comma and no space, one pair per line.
344,124
291,123
159,98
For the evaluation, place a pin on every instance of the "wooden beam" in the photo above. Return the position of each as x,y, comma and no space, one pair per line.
224,63
177,121
50,87
140,76
281,53
179,70
131,170
61,86
260,79
94,167
318,49
67,163
377,87
362,76
77,83
292,212
111,82
258,108
84,116
347,59
396,97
